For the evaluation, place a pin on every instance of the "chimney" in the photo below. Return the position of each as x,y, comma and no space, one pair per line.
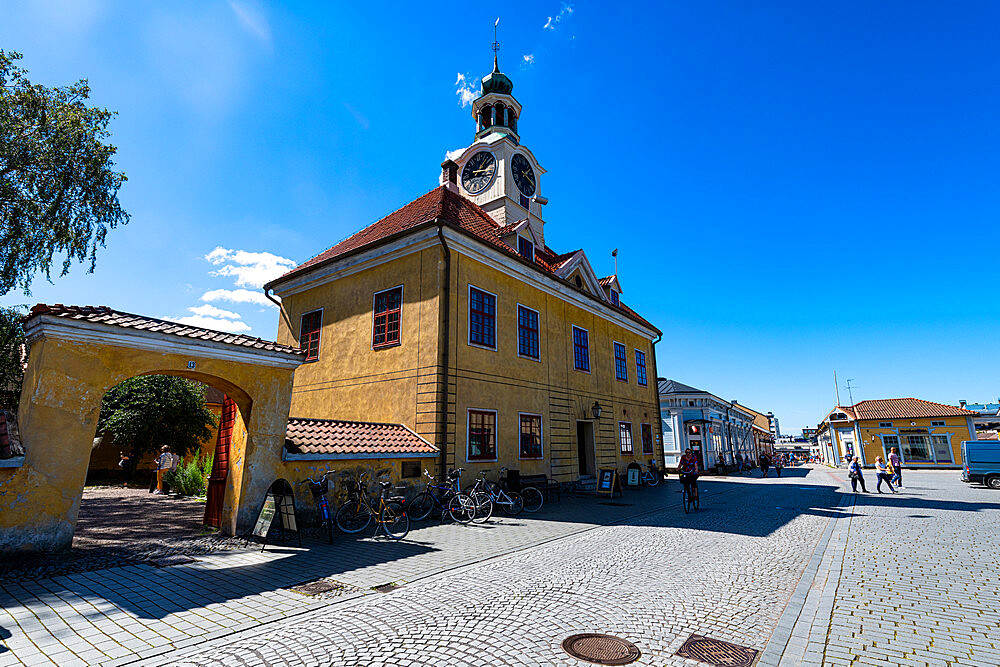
449,175
961,404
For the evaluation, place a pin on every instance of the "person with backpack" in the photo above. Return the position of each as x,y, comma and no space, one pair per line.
854,471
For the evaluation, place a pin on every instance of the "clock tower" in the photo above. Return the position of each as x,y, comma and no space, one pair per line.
497,172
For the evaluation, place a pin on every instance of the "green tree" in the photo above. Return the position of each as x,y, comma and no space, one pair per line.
58,189
13,352
146,412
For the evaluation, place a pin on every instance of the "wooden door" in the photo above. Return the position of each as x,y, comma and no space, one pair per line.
220,465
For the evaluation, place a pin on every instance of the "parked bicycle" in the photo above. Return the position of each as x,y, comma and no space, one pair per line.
651,475
532,497
489,495
358,512
319,487
447,498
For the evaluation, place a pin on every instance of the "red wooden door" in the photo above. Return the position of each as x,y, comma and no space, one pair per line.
220,465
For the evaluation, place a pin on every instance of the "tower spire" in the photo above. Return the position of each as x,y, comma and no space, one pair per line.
496,45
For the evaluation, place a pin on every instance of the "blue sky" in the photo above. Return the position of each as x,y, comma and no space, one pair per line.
794,188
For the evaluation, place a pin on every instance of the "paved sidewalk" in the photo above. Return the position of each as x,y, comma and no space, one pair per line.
119,615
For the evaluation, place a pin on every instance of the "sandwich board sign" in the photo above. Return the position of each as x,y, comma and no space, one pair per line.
608,482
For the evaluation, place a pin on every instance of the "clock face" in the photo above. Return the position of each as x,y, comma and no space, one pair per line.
479,172
524,176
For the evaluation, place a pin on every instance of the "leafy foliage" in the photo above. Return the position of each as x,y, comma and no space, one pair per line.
13,349
58,192
191,479
146,412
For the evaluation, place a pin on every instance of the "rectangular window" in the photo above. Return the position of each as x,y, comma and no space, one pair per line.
526,248
309,334
581,349
482,435
621,363
625,436
942,450
385,322
885,424
647,438
937,423
916,449
531,436
640,367
890,441
614,297
527,332
482,318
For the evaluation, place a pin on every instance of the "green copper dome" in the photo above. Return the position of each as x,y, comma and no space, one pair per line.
497,82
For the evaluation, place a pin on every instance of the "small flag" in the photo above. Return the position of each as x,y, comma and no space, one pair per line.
614,253
497,22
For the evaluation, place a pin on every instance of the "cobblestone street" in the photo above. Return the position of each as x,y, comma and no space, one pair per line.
797,568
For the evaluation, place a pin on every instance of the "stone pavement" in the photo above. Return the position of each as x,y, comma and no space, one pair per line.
726,571
906,579
123,614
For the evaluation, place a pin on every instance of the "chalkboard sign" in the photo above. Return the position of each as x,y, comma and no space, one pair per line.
633,477
607,482
266,516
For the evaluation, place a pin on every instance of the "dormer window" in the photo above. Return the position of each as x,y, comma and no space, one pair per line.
614,297
525,248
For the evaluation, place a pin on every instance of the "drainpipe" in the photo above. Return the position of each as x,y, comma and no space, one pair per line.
656,389
281,309
444,341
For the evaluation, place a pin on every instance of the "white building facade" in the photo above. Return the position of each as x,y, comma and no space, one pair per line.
718,431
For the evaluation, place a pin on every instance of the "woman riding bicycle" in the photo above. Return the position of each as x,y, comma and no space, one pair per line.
688,468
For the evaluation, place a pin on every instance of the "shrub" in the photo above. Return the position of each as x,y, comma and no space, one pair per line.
190,479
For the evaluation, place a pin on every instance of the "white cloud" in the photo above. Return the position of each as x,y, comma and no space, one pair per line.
230,326
209,310
529,58
554,20
465,89
237,296
251,269
455,154
251,16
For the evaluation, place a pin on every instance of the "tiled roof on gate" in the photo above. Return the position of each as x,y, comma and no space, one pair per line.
448,208
115,318
334,436
906,408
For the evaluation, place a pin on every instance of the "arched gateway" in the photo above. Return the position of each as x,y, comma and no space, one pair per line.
77,354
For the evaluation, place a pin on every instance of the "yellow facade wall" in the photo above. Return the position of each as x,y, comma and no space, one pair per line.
955,427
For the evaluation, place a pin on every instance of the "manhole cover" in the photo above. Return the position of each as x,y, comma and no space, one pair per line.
601,649
165,561
716,652
385,588
317,587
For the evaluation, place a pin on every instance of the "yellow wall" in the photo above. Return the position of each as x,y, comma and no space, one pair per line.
957,427
63,387
401,384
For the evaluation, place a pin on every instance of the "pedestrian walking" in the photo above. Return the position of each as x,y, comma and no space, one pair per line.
163,463
854,471
897,467
765,463
779,463
125,463
882,474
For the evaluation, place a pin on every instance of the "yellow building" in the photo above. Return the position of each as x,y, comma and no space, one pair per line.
452,317
926,434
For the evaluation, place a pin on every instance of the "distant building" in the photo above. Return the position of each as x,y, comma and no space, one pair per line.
926,434
987,422
809,434
717,430
775,429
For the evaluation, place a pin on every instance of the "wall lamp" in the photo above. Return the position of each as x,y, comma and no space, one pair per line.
596,409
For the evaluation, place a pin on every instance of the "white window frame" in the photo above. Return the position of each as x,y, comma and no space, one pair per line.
517,333
631,439
496,436
652,437
572,343
645,367
496,319
372,337
541,436
530,243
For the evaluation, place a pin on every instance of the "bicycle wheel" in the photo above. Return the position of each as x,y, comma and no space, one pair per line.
484,506
462,508
395,522
685,500
695,501
353,517
533,499
421,507
652,479
513,504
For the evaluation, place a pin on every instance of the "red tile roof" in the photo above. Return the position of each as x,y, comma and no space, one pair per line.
905,408
115,318
440,206
333,436
606,281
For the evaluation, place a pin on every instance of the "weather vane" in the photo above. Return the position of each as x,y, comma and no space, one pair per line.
496,44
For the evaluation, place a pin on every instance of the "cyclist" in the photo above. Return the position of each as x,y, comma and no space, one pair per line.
688,468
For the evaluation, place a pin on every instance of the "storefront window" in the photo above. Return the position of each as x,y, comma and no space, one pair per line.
916,449
942,450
